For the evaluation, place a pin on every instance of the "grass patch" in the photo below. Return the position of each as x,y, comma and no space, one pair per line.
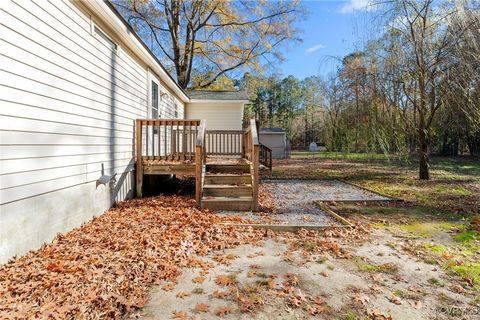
425,229
198,291
309,246
453,189
341,155
435,282
467,236
322,259
430,260
434,248
262,282
368,267
470,271
364,266
350,315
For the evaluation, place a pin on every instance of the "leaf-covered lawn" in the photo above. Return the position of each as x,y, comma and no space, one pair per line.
453,191
106,267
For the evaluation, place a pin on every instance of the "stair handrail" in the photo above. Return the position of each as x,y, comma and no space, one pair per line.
200,160
266,156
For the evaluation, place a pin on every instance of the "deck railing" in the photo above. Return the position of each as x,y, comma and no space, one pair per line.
224,142
188,140
166,139
252,153
200,161
163,139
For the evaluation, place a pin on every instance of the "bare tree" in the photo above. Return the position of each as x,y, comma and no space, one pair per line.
215,37
426,40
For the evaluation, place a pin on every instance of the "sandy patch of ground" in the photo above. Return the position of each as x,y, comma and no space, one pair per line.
377,281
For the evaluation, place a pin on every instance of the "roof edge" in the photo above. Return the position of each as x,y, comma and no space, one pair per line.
216,101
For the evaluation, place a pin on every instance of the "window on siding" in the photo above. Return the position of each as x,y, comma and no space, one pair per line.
154,100
99,33
176,110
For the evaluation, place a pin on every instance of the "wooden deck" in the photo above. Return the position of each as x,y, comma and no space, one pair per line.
219,160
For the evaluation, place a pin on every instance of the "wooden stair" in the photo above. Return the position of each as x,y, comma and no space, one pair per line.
228,187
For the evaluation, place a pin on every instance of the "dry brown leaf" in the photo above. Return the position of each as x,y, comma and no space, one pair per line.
225,280
220,294
251,273
415,288
314,310
294,301
271,283
394,299
362,298
377,278
376,288
378,315
168,287
198,279
222,311
201,307
318,300
182,294
457,288
182,315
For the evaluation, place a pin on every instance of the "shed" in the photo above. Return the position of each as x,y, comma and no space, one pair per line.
276,140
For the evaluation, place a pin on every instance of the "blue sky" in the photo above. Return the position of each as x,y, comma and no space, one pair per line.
331,29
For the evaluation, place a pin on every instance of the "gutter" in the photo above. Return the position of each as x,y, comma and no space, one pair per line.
205,101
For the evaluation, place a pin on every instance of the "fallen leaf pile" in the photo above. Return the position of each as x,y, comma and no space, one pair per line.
330,241
104,268
265,200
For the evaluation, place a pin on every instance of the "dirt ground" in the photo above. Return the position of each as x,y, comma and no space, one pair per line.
378,281
164,258
406,266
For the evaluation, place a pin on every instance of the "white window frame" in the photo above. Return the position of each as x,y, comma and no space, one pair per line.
152,78
102,36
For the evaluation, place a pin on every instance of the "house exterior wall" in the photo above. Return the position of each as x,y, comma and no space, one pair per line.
276,142
68,101
219,116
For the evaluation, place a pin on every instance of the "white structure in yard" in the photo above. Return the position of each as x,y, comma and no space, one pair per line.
74,76
276,140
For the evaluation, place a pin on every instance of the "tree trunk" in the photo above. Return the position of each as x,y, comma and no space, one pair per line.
424,168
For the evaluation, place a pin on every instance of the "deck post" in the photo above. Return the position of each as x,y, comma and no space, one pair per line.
138,155
200,157
255,159
198,173
256,175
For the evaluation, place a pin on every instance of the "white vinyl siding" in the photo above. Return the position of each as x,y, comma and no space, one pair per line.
226,116
68,104
63,89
